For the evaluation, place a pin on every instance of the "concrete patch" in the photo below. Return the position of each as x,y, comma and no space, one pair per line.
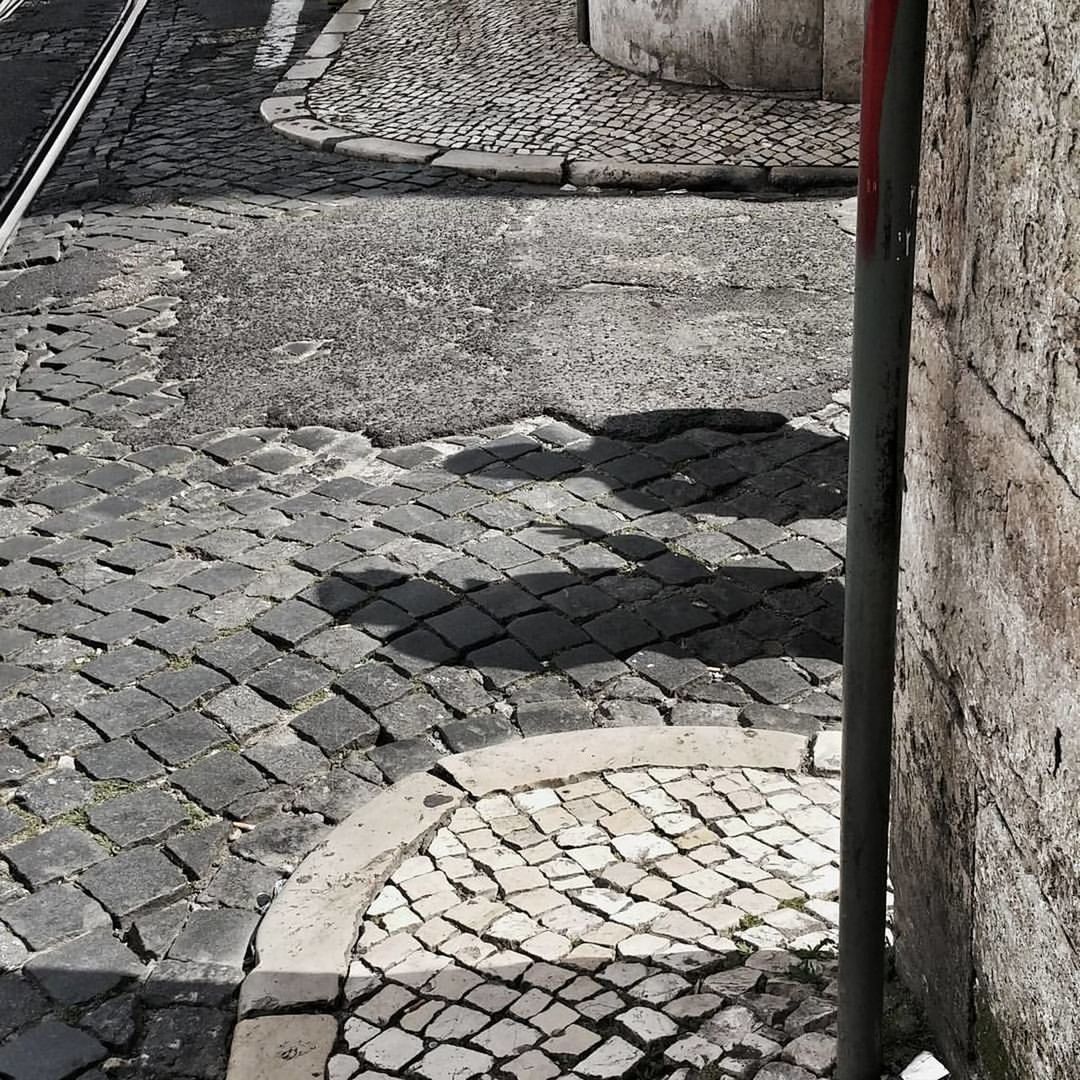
65,281
453,313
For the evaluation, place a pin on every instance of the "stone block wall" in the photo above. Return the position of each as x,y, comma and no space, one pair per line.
796,46
986,827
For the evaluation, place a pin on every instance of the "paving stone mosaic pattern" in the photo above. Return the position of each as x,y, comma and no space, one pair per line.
126,907
512,77
178,119
34,44
211,652
651,922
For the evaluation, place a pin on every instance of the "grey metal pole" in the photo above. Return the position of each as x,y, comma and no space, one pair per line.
892,96
583,32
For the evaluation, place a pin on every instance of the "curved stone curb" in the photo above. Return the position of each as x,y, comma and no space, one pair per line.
566,756
304,942
287,112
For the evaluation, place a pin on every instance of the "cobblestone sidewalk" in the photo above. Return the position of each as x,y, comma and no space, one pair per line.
644,922
512,78
210,653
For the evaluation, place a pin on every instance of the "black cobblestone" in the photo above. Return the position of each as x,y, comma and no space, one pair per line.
138,817
54,914
218,780
134,880
336,724
287,618
54,854
182,737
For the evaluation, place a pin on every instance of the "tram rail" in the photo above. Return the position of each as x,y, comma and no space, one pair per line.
28,181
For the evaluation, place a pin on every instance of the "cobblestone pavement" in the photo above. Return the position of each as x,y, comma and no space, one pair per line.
178,119
43,50
636,924
211,652
512,77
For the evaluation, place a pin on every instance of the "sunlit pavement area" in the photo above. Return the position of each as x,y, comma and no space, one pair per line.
260,557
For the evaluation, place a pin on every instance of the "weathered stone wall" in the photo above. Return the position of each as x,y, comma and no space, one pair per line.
841,49
785,45
986,830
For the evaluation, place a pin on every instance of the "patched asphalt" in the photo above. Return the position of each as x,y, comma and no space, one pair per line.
445,313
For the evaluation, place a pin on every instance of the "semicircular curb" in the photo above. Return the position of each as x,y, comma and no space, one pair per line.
305,940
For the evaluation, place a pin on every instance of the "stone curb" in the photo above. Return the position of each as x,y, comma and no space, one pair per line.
566,756
288,113
304,942
827,753
294,1047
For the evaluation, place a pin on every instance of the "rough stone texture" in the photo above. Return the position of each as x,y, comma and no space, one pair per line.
169,759
523,929
513,78
736,44
989,636
281,1048
841,50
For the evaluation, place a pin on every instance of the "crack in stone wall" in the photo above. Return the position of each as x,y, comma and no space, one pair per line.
984,853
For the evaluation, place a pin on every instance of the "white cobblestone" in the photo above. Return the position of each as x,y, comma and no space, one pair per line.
533,977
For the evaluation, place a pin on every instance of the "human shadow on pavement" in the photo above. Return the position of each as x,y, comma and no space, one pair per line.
690,577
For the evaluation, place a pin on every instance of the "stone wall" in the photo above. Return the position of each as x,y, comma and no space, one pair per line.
986,836
841,49
810,46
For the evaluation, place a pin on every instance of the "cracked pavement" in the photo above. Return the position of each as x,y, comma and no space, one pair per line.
224,626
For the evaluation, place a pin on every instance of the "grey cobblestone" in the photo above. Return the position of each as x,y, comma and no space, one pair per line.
148,621
52,915
584,874
134,880
83,969
590,110
54,854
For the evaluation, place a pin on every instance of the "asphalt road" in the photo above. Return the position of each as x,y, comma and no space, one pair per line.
436,314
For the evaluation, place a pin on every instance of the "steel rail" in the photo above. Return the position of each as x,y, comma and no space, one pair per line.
8,8
16,199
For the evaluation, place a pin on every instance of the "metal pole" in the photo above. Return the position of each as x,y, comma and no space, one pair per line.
892,95
583,33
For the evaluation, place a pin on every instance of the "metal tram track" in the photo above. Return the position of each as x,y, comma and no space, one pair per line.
17,197
8,8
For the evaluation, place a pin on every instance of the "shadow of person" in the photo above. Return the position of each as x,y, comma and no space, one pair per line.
681,567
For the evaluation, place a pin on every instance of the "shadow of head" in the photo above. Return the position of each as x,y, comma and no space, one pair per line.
697,553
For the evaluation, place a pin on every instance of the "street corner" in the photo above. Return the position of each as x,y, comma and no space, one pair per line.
621,902
478,93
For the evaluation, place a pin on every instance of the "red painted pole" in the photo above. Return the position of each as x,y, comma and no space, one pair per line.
892,97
